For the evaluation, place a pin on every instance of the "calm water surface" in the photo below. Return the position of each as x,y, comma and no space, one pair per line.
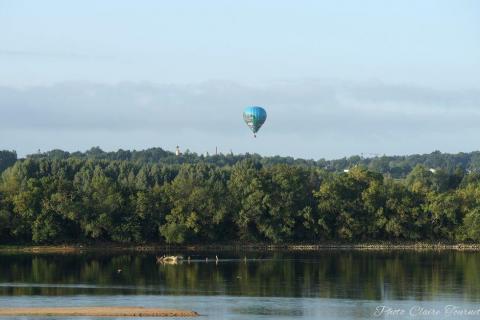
326,284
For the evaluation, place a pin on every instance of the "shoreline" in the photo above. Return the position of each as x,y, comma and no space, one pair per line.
96,312
153,248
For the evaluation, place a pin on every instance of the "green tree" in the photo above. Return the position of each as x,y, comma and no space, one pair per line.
198,200
7,159
470,229
342,213
246,187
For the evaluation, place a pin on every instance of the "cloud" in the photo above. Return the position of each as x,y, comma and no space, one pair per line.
214,106
300,112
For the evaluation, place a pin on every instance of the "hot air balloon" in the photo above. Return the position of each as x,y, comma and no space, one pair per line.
254,117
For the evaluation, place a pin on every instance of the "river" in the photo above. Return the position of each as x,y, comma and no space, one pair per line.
328,284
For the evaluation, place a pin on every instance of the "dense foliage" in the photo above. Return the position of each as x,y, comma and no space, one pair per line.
393,166
7,159
87,198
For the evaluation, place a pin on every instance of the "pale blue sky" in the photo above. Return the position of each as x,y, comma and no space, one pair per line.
336,77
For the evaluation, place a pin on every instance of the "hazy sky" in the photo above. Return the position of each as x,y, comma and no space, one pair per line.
337,77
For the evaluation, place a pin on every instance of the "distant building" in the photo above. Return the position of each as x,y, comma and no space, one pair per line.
432,170
177,151
346,170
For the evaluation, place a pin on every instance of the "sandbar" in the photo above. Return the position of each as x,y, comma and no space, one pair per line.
112,311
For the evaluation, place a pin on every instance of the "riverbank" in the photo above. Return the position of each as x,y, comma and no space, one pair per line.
96,312
162,248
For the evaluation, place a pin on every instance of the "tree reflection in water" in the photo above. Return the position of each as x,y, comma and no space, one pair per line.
368,275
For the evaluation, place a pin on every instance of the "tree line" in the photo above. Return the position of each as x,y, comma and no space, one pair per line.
75,199
393,166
